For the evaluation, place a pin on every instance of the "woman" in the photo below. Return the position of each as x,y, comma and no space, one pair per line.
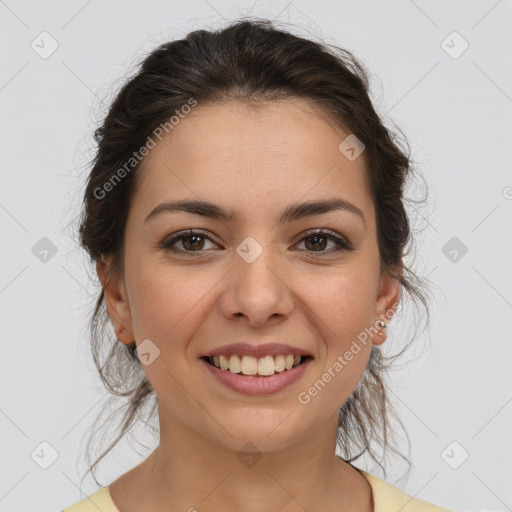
246,218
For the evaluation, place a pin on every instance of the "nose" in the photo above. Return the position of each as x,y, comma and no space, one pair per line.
257,291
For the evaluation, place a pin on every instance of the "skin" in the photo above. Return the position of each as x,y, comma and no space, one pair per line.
256,162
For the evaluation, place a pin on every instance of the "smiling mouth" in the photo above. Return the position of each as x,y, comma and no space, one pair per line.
256,367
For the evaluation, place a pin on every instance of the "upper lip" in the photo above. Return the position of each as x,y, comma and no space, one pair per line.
258,351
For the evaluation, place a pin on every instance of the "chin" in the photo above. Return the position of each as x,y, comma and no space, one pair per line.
272,434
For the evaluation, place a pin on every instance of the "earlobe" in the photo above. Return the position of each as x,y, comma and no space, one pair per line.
116,300
386,303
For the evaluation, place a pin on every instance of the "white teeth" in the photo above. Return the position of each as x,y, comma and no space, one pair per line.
279,363
224,363
249,365
266,365
235,364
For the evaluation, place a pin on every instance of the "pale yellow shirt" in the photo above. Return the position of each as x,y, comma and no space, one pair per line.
386,498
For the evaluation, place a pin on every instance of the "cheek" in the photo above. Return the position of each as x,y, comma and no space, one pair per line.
342,301
342,309
341,317
169,303
161,298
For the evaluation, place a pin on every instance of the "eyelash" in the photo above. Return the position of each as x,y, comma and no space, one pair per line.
342,244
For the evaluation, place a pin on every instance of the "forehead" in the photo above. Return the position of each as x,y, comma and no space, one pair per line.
252,158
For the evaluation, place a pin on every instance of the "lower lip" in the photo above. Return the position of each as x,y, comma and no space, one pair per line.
258,386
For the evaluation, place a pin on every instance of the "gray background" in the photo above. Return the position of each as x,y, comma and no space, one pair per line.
455,108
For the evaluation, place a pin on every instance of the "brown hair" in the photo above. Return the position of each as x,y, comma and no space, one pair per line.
250,60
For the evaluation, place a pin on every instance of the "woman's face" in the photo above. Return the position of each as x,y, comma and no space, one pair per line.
261,276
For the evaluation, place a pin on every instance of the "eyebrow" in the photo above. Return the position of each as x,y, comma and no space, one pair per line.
291,213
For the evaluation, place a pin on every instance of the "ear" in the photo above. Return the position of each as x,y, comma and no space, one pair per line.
387,300
116,299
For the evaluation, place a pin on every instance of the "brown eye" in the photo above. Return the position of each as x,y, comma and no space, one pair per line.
317,241
190,241
193,242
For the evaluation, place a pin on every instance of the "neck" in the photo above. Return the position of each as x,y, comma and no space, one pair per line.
191,472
